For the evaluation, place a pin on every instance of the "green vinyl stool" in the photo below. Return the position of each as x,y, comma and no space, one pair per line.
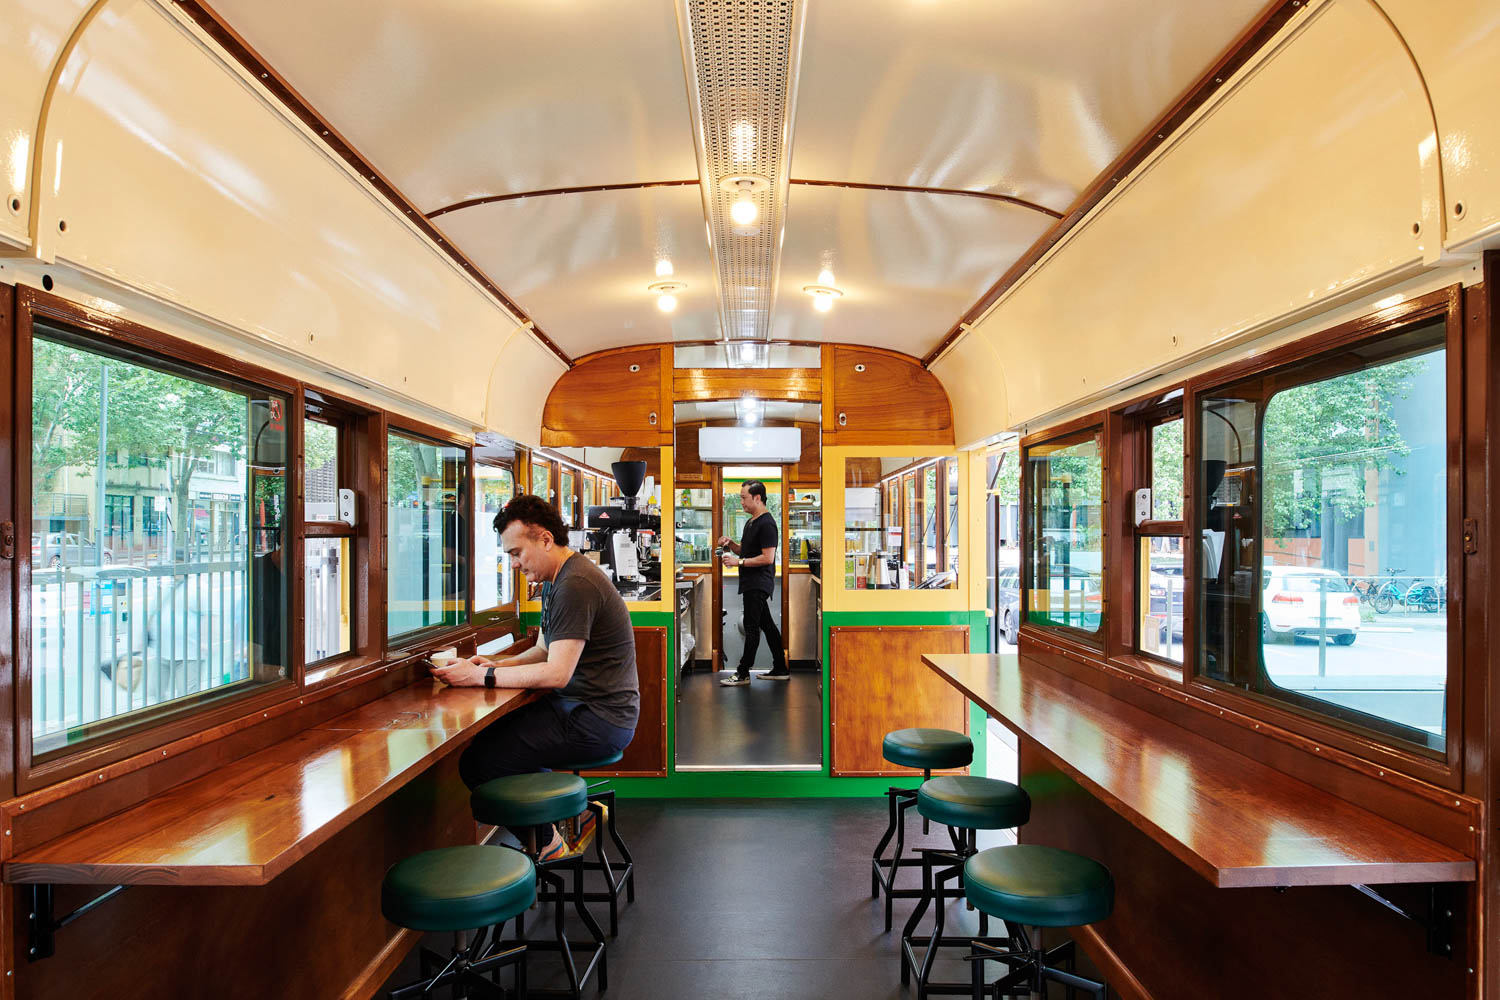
927,750
462,889
965,805
1027,885
532,800
617,873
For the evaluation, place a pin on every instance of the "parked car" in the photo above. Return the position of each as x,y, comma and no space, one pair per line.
1008,600
1306,601
66,548
1165,583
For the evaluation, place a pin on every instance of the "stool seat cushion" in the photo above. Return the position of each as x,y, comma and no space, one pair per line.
458,888
589,765
974,803
928,748
529,799
1039,886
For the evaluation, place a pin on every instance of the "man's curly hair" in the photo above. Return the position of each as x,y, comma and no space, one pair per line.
537,514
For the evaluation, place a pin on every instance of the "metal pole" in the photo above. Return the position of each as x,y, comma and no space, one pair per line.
99,486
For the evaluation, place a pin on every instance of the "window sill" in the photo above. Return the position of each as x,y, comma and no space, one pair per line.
1158,670
326,671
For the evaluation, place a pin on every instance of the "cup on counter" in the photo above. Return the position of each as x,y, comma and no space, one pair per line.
443,657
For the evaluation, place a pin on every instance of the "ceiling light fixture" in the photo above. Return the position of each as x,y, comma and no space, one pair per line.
749,410
666,294
664,268
744,211
823,296
747,353
741,141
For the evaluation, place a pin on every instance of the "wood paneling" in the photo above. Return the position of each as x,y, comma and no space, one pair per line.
800,385
251,820
862,472
892,400
1181,938
878,683
1231,819
647,754
601,402
313,932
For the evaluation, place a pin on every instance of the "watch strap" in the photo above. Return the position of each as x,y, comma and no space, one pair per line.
489,677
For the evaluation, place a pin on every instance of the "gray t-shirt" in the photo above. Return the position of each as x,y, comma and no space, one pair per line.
581,603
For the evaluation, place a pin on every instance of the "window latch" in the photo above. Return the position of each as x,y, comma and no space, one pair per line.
7,540
1471,536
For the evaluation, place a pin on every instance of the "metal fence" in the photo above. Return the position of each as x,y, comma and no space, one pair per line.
109,641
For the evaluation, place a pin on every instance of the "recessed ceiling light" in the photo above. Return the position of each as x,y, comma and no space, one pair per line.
823,295
744,211
664,268
666,294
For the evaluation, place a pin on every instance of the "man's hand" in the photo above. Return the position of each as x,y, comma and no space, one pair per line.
725,540
462,673
730,559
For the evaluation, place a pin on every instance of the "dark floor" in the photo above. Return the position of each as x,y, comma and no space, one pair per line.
767,724
766,899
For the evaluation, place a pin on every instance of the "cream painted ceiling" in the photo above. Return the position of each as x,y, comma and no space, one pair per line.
462,100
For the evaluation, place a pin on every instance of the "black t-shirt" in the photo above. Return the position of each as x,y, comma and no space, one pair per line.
581,603
760,536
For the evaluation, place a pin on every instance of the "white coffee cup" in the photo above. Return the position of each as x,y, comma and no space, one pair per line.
443,657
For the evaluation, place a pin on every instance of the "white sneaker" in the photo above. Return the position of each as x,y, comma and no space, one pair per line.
772,675
734,680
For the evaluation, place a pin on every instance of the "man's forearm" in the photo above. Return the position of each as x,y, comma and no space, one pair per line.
536,654
535,674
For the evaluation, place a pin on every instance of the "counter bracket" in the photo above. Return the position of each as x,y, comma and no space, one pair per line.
1438,921
42,927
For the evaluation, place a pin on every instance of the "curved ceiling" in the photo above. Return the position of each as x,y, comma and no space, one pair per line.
503,106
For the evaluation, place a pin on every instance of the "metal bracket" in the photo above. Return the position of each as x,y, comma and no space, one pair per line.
41,925
1438,921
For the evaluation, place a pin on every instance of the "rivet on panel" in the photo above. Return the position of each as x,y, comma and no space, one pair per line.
62,225
859,368
1416,229
634,369
264,75
1458,210
15,205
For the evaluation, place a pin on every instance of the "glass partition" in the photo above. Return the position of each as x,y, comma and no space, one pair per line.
892,519
426,546
494,576
1065,507
157,537
805,526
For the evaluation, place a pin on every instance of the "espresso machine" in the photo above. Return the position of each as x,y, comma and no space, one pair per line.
624,535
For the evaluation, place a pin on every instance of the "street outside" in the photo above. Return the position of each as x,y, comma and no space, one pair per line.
1396,669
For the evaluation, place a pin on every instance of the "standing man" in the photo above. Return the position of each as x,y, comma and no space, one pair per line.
585,661
755,555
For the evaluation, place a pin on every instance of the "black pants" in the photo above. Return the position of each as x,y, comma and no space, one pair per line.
543,736
757,619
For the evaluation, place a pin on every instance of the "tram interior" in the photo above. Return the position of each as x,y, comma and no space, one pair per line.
1119,377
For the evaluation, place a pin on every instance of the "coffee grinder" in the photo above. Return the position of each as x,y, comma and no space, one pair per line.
621,533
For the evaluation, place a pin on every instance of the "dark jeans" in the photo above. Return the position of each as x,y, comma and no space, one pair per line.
758,619
543,736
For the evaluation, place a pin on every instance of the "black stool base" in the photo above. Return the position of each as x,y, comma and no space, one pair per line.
618,875
933,889
883,871
468,970
553,888
1030,969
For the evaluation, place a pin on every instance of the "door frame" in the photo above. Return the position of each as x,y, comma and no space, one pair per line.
716,598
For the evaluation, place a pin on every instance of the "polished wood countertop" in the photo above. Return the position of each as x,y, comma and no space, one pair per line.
1235,821
247,822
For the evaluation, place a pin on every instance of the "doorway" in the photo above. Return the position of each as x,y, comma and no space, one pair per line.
766,724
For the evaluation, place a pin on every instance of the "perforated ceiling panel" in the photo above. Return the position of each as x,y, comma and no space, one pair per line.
742,68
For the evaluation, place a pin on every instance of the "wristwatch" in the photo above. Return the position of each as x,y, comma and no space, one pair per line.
489,677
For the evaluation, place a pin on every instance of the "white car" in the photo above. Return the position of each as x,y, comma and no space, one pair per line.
1304,600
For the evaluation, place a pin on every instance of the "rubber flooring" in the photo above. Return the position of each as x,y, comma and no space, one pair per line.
754,898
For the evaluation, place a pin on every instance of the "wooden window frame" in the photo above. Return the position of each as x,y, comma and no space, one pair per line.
189,716
490,623
1097,427
1445,769
396,645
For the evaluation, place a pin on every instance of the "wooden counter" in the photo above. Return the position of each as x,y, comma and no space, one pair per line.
1233,820
248,822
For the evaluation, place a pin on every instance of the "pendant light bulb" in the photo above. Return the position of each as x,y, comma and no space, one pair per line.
664,268
743,212
666,302
822,302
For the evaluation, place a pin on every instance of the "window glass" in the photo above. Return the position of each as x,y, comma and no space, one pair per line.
326,598
156,574
884,527
1066,529
931,514
1161,584
320,450
1166,471
951,535
494,578
1345,613
804,526
425,544
541,479
565,498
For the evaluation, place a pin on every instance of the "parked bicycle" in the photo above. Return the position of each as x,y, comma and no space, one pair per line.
1423,596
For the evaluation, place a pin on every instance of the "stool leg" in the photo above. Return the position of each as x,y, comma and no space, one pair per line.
911,921
885,838
603,860
939,922
608,797
901,808
926,773
581,905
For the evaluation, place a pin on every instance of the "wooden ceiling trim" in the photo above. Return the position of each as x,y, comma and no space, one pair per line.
1240,51
908,189
491,199
799,385
214,25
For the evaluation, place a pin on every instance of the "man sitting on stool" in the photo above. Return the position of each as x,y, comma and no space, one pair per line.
755,555
585,660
